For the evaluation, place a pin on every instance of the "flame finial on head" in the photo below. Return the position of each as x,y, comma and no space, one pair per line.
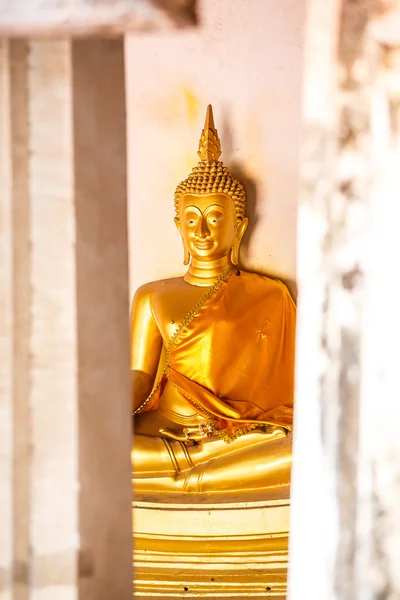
209,145
210,176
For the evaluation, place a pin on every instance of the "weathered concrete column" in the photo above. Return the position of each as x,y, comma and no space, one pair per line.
66,387
56,18
345,529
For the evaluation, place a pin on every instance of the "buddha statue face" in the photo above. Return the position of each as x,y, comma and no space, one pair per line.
210,205
209,227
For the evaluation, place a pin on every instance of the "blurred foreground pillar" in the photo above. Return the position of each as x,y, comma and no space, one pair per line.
345,529
65,491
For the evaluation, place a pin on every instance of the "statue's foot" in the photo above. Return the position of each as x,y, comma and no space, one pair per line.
260,466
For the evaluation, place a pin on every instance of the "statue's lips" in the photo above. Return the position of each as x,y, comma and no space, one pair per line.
203,245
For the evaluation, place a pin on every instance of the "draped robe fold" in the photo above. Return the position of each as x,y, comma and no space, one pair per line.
233,360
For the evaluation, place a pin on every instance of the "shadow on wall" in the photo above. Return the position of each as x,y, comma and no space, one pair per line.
253,202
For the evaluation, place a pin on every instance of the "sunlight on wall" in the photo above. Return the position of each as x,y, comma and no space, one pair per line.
245,59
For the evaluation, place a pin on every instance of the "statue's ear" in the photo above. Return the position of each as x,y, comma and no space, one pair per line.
241,228
178,225
186,253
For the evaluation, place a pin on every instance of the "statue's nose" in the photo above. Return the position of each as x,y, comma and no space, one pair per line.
202,230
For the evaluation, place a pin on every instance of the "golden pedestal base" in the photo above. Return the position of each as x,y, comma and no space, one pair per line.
211,548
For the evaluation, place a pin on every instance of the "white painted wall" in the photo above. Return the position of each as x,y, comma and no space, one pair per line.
245,59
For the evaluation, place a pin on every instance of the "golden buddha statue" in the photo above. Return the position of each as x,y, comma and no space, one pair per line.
212,353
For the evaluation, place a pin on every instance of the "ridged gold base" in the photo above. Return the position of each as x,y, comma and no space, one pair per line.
203,550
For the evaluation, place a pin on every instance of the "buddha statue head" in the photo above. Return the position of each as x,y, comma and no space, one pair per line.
210,205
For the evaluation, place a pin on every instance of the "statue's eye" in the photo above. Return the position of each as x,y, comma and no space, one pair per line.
191,219
214,218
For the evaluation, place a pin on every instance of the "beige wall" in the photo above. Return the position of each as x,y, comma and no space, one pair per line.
245,59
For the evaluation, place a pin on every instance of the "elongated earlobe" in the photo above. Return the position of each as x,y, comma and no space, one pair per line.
235,254
186,255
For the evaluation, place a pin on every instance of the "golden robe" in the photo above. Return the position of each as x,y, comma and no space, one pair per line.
232,358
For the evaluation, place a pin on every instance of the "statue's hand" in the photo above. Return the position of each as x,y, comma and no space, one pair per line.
189,435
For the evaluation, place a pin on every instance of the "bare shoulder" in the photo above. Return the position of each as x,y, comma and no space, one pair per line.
146,292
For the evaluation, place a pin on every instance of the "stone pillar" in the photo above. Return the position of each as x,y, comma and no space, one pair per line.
66,386
6,326
345,527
